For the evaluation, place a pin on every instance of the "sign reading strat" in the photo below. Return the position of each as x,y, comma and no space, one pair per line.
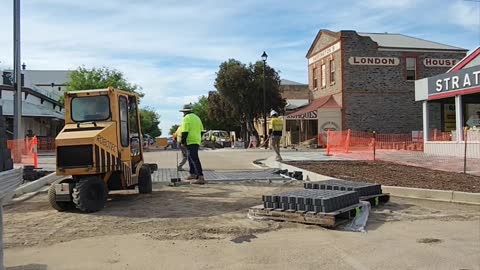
373,61
463,81
329,50
307,116
433,62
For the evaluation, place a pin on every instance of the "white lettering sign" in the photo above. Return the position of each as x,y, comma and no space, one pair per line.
374,61
307,115
329,50
433,62
465,78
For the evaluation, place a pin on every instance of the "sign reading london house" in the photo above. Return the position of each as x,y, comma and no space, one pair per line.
374,61
450,84
306,115
432,62
329,50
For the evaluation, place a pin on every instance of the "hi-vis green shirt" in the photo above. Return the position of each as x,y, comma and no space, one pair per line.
276,125
193,125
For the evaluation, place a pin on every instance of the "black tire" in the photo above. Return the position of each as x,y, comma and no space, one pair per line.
145,180
59,206
90,194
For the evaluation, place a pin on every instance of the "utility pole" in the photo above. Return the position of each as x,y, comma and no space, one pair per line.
17,76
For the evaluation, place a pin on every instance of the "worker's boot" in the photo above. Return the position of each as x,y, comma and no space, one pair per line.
199,181
192,177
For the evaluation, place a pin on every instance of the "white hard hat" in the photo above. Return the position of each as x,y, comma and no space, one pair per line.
273,112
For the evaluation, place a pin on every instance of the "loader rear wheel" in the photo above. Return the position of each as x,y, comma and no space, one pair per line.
59,206
90,194
145,180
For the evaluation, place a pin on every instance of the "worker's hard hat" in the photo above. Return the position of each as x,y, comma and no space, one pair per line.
273,112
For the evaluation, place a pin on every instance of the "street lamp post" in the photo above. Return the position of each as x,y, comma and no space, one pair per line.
17,79
264,58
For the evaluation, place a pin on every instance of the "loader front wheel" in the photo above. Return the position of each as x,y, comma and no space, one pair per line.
145,180
90,194
59,206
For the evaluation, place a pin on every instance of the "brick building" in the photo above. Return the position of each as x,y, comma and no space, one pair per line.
366,81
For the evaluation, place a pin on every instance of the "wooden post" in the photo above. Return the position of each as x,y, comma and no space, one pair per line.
328,142
374,136
465,138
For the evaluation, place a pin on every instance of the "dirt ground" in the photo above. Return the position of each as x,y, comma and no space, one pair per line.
391,174
207,228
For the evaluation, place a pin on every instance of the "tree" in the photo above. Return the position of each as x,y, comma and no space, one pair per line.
241,87
97,78
221,113
173,129
149,121
200,108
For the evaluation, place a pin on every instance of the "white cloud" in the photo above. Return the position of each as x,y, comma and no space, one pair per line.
390,4
173,48
465,14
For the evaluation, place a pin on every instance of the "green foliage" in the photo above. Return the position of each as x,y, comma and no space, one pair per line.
149,121
173,129
221,113
98,78
241,86
200,108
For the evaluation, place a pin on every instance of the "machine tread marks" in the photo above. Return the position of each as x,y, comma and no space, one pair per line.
145,180
59,206
90,194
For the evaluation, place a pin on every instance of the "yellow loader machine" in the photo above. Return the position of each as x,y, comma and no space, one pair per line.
101,148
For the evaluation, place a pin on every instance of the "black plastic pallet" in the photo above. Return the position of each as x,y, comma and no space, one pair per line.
364,189
312,200
376,200
329,220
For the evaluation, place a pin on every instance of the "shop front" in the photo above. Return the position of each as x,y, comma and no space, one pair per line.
313,121
451,109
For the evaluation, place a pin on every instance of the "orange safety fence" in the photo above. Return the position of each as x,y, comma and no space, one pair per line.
444,152
24,152
46,144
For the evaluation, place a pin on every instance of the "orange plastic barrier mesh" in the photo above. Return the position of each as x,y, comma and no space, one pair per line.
24,152
408,149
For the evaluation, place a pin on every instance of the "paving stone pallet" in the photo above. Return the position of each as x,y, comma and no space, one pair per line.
364,189
329,220
311,200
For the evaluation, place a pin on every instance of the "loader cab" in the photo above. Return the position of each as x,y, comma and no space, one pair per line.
93,109
97,149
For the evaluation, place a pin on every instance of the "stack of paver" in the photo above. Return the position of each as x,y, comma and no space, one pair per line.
312,200
363,189
6,162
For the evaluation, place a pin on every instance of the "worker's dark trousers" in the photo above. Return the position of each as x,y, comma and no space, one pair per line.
194,160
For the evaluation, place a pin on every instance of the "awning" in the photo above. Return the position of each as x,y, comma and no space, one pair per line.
31,110
310,111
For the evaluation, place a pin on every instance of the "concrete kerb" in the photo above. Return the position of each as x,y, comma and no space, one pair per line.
37,184
417,193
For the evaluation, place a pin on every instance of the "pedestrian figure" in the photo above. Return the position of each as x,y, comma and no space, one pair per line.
192,128
275,133
178,137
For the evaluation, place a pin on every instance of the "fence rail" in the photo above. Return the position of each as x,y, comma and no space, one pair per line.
409,149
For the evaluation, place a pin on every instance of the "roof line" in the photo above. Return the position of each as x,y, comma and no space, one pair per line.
33,93
467,59
443,44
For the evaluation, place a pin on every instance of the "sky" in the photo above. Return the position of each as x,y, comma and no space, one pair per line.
173,48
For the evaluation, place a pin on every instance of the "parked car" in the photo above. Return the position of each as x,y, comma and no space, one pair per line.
222,137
